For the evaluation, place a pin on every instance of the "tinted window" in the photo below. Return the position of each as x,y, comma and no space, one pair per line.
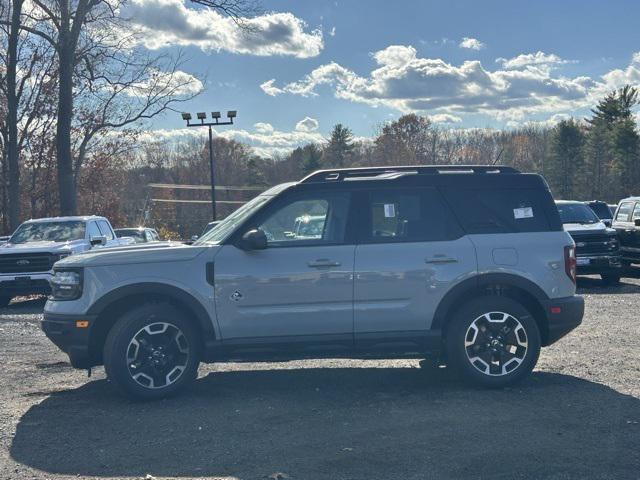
636,212
312,219
105,229
136,234
414,215
623,212
576,213
501,211
93,230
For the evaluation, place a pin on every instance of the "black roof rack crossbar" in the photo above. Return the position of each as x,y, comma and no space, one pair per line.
385,172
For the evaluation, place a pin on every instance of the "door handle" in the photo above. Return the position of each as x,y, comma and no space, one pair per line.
323,262
437,259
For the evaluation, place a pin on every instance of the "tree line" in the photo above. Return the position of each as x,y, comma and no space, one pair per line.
593,158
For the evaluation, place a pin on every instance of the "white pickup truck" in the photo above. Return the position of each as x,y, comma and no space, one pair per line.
27,258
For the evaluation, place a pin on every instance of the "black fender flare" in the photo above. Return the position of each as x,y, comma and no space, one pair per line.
476,284
167,291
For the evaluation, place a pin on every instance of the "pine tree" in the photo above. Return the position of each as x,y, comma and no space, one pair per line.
338,150
566,162
625,144
610,161
311,158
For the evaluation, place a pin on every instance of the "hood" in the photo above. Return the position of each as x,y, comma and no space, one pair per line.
134,254
588,228
43,247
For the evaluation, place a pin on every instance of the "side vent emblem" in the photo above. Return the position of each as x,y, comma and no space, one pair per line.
236,296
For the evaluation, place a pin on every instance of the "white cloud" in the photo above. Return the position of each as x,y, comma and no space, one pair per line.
552,121
263,128
307,124
264,139
531,59
182,83
620,77
171,22
408,83
471,43
444,118
268,88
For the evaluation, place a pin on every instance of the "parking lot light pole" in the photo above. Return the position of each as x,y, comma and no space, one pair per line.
215,116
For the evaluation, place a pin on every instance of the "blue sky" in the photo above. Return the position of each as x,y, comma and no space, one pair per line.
496,64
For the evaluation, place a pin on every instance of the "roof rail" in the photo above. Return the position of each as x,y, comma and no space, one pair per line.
386,173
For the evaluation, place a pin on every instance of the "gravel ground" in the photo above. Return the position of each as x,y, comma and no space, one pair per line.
576,417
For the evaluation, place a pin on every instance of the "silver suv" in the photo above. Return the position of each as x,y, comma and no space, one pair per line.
468,265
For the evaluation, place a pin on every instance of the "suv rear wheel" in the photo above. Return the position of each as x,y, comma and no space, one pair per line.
493,341
152,352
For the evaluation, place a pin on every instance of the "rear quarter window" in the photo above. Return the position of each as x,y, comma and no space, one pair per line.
503,210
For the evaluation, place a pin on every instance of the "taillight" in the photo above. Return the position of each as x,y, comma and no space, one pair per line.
570,262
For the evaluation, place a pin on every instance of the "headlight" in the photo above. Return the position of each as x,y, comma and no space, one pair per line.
66,284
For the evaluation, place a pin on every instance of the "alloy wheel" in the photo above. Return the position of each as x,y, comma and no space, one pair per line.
496,343
157,355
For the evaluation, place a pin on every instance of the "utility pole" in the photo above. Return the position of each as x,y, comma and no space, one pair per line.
215,116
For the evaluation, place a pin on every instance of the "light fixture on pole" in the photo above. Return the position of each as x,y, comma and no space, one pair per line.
215,116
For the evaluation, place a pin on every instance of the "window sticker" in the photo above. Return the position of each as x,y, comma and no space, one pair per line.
524,212
389,210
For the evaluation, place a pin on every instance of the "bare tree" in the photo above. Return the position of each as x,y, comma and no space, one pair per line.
9,87
27,78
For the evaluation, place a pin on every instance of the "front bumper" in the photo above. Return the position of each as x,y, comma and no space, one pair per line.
563,315
74,341
27,284
598,264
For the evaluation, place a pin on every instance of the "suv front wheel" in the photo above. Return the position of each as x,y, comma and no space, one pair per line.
152,352
493,341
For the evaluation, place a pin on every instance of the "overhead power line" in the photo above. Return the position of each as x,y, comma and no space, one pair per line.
205,187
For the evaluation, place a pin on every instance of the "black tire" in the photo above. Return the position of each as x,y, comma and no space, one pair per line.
173,352
611,278
461,332
4,301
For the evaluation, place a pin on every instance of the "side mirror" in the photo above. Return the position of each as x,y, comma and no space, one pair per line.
254,240
607,222
100,240
636,222
194,238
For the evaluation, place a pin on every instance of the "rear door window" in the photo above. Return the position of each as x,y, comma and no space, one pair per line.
636,213
500,211
408,215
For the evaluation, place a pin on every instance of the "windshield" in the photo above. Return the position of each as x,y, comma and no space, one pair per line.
137,235
577,213
229,224
49,231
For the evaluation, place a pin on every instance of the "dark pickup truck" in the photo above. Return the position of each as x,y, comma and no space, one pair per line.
597,246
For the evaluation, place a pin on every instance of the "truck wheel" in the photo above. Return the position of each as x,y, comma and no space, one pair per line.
152,352
4,301
493,341
611,278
